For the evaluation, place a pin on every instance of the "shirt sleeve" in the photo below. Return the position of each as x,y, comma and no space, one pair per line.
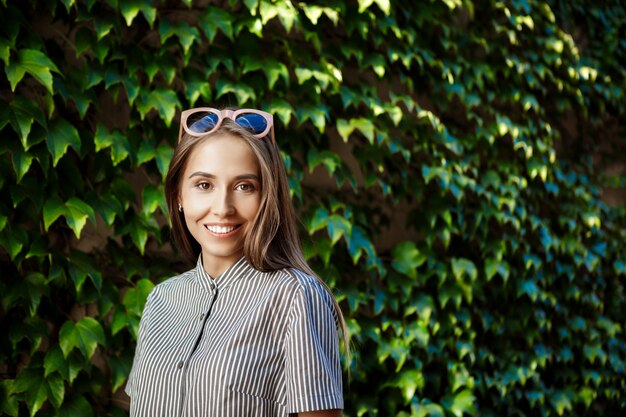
140,336
313,368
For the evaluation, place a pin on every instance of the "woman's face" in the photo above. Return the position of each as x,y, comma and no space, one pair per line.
220,194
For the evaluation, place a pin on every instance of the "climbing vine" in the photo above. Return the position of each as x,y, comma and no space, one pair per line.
447,159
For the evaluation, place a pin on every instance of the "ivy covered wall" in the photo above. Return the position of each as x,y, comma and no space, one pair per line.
447,159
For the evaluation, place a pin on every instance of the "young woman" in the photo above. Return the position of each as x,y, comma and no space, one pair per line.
251,330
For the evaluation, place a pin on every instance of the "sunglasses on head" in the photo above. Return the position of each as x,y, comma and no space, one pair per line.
203,120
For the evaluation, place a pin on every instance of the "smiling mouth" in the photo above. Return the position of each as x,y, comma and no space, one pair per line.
222,230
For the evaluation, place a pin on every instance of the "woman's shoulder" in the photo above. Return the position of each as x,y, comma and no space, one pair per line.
174,282
304,284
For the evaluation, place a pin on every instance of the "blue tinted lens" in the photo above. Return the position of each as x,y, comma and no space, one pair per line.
203,123
253,122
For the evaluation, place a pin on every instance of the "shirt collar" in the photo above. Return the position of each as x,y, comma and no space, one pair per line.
233,273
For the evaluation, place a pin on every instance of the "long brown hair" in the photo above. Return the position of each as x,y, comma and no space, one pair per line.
272,242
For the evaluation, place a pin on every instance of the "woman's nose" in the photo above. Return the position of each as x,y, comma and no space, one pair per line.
222,204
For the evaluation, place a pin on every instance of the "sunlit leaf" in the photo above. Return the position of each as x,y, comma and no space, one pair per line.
164,101
407,258
462,267
21,163
215,18
52,210
131,8
23,113
85,335
116,141
62,135
460,403
76,213
35,63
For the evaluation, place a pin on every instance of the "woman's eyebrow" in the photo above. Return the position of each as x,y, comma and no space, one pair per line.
238,177
248,177
202,174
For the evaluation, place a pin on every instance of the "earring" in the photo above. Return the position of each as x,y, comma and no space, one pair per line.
180,208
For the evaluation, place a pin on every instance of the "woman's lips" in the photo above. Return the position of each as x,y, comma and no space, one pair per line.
222,231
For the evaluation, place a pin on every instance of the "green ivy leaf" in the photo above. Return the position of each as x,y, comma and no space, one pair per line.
62,135
102,25
38,248
163,157
464,267
327,158
198,88
135,298
358,243
21,163
460,403
131,8
282,109
152,198
243,92
56,390
55,362
120,321
85,335
52,210
13,240
428,410
285,10
365,126
147,152
407,258
108,207
120,147
215,18
120,369
76,213
30,382
316,113
23,113
270,67
186,34
338,226
494,266
164,101
384,5
81,267
36,63
5,51
408,381
319,220
138,232
440,173
9,404
78,406
562,401
36,287
33,329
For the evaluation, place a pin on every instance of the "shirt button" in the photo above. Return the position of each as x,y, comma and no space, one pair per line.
201,316
181,364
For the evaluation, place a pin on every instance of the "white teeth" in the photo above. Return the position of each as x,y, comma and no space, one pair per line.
221,229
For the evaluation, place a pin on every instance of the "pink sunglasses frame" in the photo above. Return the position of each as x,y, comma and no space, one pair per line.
224,114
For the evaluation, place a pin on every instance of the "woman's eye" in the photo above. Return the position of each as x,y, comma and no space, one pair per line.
204,185
245,187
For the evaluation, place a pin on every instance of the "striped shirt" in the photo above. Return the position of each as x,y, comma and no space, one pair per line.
249,343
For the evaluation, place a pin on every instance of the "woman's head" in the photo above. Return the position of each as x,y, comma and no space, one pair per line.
235,160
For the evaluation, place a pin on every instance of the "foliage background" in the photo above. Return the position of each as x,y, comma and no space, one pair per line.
448,159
